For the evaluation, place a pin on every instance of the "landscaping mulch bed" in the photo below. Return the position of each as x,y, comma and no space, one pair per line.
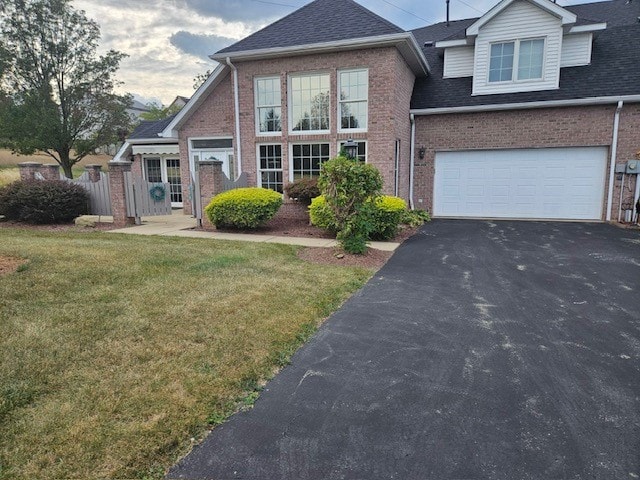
373,259
9,264
62,227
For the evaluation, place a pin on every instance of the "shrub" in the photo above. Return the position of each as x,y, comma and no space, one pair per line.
303,190
43,201
415,218
321,215
347,186
243,207
387,215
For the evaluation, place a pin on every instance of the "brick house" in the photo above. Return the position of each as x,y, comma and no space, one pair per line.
530,111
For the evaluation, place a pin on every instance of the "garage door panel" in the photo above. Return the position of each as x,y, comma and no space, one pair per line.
554,183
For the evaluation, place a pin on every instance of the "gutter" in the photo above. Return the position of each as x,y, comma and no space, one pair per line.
614,154
527,105
412,159
236,103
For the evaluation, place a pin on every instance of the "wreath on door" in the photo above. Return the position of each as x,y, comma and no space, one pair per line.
158,193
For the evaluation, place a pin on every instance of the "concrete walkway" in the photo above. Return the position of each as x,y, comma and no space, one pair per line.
180,225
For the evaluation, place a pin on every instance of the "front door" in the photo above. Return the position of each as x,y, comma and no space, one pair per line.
165,170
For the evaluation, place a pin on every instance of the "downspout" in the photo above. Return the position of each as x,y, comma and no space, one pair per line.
411,165
236,103
614,155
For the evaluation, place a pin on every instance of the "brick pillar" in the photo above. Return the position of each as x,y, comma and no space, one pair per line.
94,172
118,192
211,183
50,171
28,170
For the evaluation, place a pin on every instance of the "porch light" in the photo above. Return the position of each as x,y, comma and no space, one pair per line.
351,148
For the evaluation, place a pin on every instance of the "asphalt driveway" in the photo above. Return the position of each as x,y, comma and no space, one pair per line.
482,350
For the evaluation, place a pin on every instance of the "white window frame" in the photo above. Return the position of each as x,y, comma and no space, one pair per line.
232,165
315,142
357,140
164,176
260,170
291,120
258,107
340,102
516,60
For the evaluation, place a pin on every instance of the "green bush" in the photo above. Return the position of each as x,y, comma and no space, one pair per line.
415,218
321,215
43,201
303,190
387,215
347,186
243,207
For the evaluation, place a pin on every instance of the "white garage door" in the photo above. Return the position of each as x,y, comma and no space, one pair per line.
546,183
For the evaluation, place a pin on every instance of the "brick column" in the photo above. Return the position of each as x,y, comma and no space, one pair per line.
94,172
118,192
50,171
211,183
28,170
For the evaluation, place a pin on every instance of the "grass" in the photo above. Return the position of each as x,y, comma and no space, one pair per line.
9,171
116,351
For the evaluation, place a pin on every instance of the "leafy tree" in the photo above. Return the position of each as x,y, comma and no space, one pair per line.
200,79
158,112
60,92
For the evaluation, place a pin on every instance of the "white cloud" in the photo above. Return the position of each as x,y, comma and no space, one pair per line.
167,40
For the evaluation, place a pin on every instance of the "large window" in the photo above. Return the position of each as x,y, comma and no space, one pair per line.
307,159
519,60
271,167
353,87
268,105
309,103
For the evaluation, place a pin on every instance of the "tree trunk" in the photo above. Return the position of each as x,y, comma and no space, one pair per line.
65,163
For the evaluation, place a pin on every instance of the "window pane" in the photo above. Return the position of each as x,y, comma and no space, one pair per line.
270,119
530,59
354,92
152,170
268,104
271,167
310,102
308,158
501,63
213,143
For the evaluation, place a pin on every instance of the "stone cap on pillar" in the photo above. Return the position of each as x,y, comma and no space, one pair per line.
94,166
30,164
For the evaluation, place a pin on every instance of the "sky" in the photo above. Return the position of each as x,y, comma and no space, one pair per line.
168,41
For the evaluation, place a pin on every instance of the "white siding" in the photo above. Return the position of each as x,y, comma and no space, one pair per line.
458,62
576,50
521,20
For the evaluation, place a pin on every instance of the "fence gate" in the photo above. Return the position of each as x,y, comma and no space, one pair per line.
146,199
99,192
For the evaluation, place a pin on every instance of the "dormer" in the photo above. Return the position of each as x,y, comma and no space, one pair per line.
519,46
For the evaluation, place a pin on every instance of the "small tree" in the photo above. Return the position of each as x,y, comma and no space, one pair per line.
349,187
60,93
158,112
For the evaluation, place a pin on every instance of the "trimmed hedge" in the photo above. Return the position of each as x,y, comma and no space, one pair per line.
43,201
243,207
386,214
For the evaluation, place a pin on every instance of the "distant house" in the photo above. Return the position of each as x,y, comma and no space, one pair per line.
136,109
524,112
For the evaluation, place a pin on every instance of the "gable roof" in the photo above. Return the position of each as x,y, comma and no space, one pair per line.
150,128
317,22
546,5
614,70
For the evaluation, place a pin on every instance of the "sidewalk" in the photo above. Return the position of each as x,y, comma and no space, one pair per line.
179,225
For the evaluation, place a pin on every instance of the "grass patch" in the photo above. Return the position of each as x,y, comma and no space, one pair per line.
116,350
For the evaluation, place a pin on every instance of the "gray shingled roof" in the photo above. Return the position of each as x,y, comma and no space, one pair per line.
614,70
150,128
319,21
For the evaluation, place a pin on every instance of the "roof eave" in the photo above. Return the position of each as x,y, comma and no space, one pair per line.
595,27
405,42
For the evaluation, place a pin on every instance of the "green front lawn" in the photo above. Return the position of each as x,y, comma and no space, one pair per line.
117,350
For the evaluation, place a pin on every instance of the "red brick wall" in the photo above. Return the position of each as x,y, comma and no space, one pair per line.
402,98
535,128
214,118
390,83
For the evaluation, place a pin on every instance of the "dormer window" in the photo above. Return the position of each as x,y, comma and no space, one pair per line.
519,59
